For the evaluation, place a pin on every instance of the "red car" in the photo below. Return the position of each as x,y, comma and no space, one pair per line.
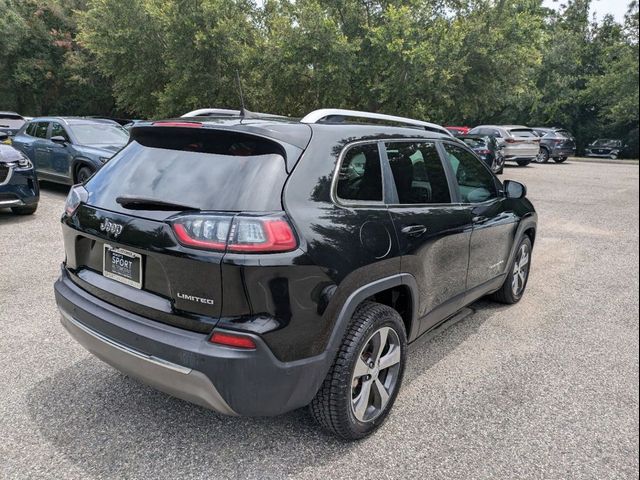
457,131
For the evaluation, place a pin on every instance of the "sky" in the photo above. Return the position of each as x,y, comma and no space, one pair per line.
617,8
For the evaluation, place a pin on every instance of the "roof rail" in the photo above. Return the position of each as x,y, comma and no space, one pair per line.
210,112
318,116
223,112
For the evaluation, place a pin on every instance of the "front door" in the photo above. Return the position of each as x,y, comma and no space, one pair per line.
433,232
60,154
494,225
42,149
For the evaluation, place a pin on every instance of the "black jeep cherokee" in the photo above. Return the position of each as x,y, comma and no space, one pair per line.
257,265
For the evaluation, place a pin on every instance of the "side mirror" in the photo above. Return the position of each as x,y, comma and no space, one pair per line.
514,190
59,139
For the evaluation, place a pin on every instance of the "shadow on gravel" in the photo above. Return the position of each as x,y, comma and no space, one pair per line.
113,426
7,217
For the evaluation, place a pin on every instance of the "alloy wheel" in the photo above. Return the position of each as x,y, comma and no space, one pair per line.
520,271
543,156
375,376
498,163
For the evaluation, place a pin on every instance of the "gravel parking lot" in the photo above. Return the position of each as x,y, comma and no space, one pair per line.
545,389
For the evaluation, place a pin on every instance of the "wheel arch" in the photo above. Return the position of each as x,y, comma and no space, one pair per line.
397,291
80,162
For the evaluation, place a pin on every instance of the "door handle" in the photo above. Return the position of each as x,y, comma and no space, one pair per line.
480,219
414,230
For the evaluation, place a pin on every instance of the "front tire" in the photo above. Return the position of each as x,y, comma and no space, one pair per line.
515,284
497,165
364,380
83,174
25,210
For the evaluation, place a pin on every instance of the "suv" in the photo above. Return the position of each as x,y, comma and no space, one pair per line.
605,148
69,150
256,266
519,144
556,143
10,123
18,184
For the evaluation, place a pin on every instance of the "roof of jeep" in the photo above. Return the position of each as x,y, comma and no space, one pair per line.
291,130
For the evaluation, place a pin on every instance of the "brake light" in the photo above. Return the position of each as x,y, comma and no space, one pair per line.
178,124
77,195
511,140
233,340
240,233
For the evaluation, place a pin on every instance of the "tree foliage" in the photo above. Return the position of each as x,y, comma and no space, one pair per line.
447,61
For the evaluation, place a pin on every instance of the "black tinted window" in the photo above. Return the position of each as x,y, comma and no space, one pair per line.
31,129
476,183
41,129
418,173
58,130
207,170
360,176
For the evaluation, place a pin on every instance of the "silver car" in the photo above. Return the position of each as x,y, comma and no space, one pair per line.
519,144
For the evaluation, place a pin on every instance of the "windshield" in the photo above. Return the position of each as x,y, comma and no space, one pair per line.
605,142
100,134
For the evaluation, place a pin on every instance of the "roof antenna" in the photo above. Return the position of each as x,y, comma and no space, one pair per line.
243,110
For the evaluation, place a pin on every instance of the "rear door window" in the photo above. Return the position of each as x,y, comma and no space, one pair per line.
418,173
360,174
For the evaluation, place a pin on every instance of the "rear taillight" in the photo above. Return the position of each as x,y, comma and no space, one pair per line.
240,233
77,195
511,140
233,340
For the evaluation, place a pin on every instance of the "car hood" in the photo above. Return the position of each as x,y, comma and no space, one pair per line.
99,150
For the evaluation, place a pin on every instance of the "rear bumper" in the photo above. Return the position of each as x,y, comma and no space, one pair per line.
184,364
562,152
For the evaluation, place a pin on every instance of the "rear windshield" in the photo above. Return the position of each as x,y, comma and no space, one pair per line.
523,132
11,121
205,170
475,142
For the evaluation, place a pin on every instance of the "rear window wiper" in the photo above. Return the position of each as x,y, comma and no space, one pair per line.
142,203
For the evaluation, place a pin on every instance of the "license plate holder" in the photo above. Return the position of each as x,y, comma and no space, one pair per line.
122,265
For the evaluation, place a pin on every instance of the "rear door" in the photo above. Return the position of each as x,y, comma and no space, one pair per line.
494,224
129,254
523,143
433,233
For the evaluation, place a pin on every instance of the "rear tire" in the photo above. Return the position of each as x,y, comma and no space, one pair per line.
517,278
364,380
523,163
83,174
497,166
26,210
